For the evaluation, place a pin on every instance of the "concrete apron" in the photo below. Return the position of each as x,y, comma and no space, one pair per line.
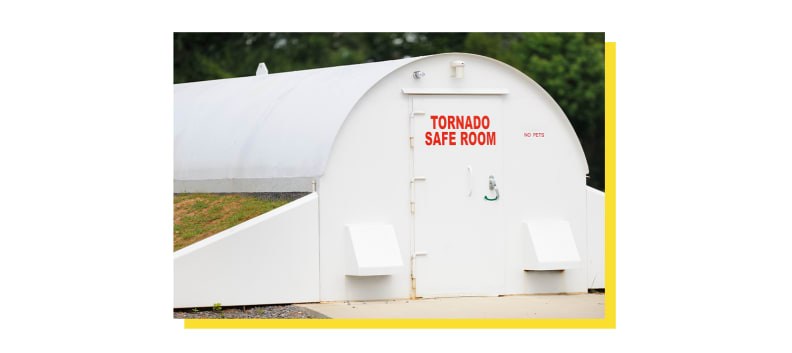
575,306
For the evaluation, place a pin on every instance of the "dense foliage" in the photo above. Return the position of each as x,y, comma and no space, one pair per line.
570,66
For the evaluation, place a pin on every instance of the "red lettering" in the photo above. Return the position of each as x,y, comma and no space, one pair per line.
463,122
491,138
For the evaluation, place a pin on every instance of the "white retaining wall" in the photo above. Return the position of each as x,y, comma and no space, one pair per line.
273,258
595,230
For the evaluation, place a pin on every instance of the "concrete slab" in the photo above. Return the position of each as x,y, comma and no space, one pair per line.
564,306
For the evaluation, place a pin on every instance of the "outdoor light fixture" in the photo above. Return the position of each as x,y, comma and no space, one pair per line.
419,74
458,67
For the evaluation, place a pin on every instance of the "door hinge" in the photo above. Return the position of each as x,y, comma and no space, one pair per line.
412,127
412,192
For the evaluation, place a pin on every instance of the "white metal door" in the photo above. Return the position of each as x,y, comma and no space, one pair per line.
459,241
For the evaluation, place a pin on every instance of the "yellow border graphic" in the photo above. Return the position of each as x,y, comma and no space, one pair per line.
610,262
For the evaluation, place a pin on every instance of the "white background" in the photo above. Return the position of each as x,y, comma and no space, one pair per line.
703,170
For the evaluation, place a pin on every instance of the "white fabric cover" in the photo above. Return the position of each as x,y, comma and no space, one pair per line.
270,126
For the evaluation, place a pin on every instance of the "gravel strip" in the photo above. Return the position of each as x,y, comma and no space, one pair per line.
256,312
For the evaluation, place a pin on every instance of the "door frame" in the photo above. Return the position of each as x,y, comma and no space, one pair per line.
412,113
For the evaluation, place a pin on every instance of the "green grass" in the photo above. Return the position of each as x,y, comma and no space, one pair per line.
198,216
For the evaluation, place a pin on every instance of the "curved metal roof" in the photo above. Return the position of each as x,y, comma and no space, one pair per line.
272,126
278,127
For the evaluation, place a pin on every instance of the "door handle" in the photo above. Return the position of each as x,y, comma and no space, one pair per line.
492,186
470,180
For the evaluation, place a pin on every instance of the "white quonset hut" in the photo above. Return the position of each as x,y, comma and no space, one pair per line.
443,175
